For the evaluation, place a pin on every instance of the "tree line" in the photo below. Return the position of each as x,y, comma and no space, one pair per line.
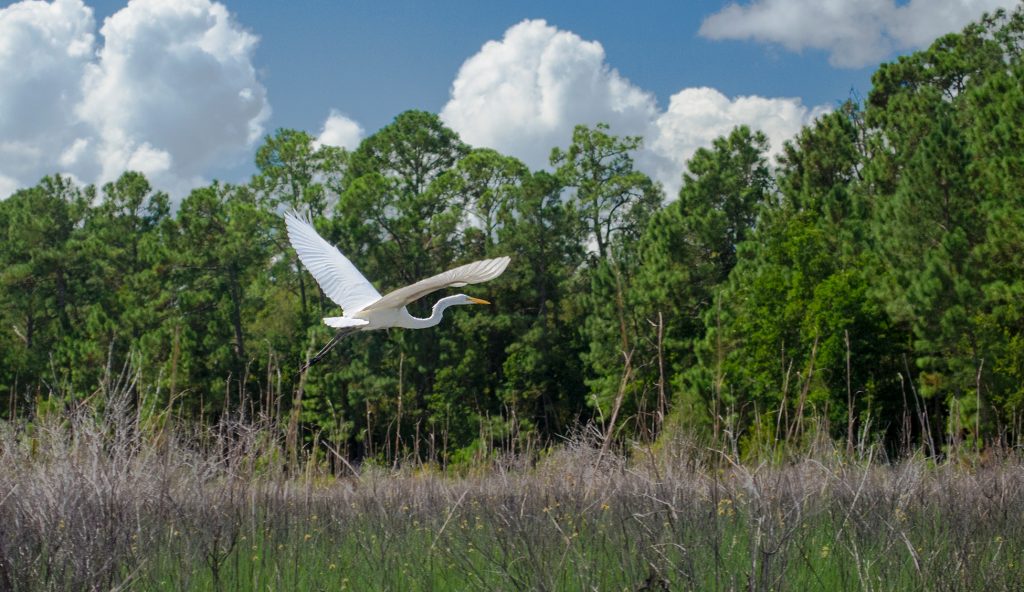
871,279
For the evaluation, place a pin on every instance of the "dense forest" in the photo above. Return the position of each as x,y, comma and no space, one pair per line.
869,280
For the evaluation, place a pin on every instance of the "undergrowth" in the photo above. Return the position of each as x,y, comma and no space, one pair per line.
102,501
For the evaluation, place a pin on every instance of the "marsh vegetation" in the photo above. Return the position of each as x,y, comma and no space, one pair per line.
100,500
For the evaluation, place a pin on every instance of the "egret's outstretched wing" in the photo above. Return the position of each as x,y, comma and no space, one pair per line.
471,273
338,278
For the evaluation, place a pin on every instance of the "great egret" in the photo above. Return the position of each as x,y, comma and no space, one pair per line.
363,308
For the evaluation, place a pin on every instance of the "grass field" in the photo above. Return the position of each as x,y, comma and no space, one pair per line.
93,502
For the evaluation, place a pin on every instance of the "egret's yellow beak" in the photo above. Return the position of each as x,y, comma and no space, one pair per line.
477,300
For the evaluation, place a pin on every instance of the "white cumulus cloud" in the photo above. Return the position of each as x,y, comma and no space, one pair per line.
170,91
696,116
854,33
340,131
44,48
524,94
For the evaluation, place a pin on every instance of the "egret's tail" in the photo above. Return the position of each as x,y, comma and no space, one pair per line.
339,322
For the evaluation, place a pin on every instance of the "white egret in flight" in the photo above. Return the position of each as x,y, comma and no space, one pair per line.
363,308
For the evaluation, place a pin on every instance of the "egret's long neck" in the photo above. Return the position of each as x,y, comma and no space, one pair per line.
435,315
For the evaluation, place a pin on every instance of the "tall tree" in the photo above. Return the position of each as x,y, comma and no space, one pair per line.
543,369
222,251
932,201
996,143
38,277
124,244
614,202
609,193
690,247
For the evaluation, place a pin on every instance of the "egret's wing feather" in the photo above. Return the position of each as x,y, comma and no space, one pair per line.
471,273
338,278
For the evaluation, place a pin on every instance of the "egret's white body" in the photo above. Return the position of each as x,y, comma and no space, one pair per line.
363,308
368,320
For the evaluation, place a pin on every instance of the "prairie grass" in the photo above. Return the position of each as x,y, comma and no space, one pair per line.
104,501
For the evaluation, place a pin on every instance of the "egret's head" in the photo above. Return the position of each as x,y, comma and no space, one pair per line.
463,299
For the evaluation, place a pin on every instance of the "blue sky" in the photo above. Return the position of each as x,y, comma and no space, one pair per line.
185,89
373,60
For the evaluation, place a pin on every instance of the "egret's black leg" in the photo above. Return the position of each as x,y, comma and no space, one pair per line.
343,332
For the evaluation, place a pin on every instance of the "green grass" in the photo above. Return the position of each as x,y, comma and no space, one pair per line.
572,549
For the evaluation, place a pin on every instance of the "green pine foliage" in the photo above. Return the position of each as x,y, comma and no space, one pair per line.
869,278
